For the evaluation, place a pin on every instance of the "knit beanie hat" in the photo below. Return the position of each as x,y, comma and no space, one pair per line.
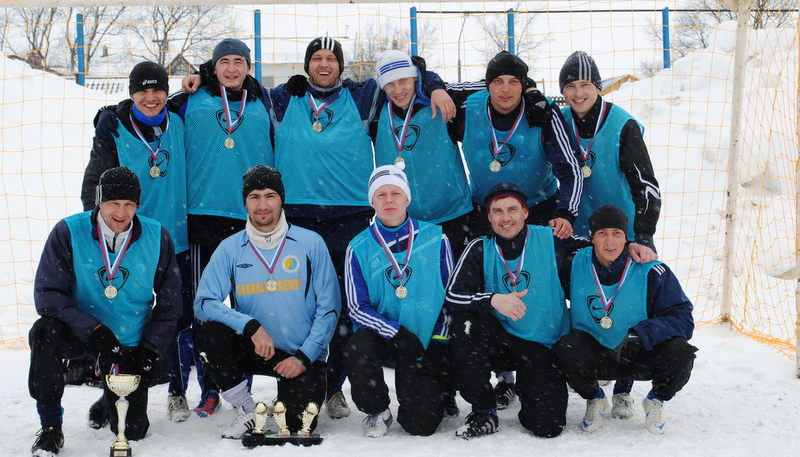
118,183
388,174
262,177
230,46
579,66
608,217
502,190
324,43
505,63
147,75
392,65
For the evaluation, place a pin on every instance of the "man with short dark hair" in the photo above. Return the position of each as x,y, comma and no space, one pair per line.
285,303
94,289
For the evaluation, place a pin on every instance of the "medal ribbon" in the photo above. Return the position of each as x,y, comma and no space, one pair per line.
514,276
153,154
317,109
111,269
585,152
400,142
495,148
226,107
270,266
608,302
388,252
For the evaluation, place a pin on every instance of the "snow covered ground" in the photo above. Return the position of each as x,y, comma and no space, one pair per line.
743,398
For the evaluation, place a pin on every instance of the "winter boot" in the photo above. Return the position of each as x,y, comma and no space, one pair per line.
377,425
479,423
337,406
48,442
98,415
621,406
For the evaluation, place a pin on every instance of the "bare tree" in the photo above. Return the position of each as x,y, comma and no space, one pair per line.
98,23
381,37
37,25
194,28
495,27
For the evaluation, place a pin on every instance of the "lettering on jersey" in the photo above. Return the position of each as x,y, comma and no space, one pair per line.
162,162
325,118
391,275
596,308
120,277
411,136
244,265
261,287
522,284
290,264
507,152
234,120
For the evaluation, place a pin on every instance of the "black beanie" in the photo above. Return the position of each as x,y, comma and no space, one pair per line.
579,66
505,63
148,75
118,183
228,47
608,217
325,43
262,177
505,189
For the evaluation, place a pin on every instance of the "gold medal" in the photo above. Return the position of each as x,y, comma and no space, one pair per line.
229,143
606,322
495,166
316,127
401,292
272,285
155,172
586,171
111,291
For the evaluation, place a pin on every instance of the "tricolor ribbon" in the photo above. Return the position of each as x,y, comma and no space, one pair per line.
400,142
153,154
608,302
226,107
111,268
513,276
270,266
399,271
496,147
585,152
317,109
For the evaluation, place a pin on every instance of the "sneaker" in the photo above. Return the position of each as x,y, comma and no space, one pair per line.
593,419
337,406
654,415
98,415
621,406
479,423
504,394
209,404
242,422
377,425
449,408
177,408
49,440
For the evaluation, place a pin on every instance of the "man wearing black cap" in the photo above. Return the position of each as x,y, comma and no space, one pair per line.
285,303
499,145
505,296
629,321
94,289
614,159
142,135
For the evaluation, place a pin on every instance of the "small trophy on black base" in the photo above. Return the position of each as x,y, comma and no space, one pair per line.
258,436
122,385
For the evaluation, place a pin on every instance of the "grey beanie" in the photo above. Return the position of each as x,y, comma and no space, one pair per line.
230,46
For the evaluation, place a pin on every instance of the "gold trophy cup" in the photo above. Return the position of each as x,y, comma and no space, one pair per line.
122,385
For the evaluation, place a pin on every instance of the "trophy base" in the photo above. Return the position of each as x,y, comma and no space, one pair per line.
120,452
271,438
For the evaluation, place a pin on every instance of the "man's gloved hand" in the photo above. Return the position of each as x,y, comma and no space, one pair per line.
420,63
407,344
105,124
537,110
628,350
103,341
140,361
297,85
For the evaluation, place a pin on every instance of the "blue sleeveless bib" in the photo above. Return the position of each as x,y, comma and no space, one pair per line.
331,167
546,318
214,171
164,197
128,312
